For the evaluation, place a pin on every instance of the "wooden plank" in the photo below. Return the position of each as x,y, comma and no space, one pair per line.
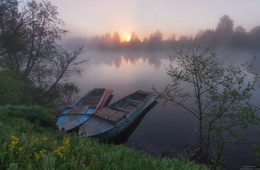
134,101
94,97
79,109
90,101
116,117
144,92
104,113
121,109
130,107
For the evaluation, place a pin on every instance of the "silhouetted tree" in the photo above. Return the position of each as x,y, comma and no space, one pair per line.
11,34
116,37
29,40
224,28
239,38
134,42
173,37
107,37
206,36
156,37
254,37
134,38
240,29
183,39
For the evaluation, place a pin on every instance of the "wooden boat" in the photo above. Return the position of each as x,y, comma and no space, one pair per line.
79,112
110,121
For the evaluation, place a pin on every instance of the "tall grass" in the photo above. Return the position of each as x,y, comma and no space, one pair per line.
27,144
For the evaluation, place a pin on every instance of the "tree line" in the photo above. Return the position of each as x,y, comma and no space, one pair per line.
225,34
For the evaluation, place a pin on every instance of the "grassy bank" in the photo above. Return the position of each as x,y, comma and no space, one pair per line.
29,141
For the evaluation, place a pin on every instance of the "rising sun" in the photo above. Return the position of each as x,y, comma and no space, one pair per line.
128,38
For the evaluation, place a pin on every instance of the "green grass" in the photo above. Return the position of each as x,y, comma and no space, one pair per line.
29,141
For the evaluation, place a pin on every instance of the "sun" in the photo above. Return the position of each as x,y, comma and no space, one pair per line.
128,38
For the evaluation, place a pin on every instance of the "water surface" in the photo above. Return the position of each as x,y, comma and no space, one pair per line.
162,129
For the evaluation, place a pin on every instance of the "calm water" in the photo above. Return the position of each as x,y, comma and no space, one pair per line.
162,129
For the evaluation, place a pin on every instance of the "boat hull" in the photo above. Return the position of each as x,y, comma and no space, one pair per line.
111,130
79,112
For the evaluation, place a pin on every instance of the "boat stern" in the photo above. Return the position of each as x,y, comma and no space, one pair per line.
70,122
94,127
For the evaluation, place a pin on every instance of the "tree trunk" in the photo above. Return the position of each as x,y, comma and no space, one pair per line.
201,139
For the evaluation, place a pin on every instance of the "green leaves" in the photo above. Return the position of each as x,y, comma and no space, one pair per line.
14,89
51,149
218,96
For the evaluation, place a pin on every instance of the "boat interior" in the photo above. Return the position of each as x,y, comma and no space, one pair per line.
88,104
115,112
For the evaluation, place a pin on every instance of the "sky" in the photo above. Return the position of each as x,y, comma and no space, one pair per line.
179,17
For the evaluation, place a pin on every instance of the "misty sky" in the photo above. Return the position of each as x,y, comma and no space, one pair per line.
181,17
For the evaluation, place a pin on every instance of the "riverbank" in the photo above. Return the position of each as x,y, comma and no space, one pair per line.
29,140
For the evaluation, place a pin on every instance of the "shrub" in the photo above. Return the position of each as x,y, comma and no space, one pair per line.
34,114
14,89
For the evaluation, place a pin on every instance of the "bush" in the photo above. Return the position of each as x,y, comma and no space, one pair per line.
14,89
34,114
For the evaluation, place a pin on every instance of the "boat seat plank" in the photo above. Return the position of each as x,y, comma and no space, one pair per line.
105,113
134,101
121,109
79,109
116,117
130,107
94,97
144,92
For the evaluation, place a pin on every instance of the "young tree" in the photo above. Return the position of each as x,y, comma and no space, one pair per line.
216,95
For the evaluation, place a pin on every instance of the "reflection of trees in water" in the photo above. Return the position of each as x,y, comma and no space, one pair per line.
255,68
252,57
153,58
117,58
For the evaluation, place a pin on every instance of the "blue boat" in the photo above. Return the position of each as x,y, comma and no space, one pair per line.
113,119
79,112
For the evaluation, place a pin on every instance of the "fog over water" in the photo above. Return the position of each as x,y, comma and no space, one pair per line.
127,65
162,130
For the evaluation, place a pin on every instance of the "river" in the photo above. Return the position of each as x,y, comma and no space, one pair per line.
162,129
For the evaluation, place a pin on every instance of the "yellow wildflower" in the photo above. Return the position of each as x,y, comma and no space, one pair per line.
11,146
20,149
44,138
14,142
60,154
14,138
38,156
